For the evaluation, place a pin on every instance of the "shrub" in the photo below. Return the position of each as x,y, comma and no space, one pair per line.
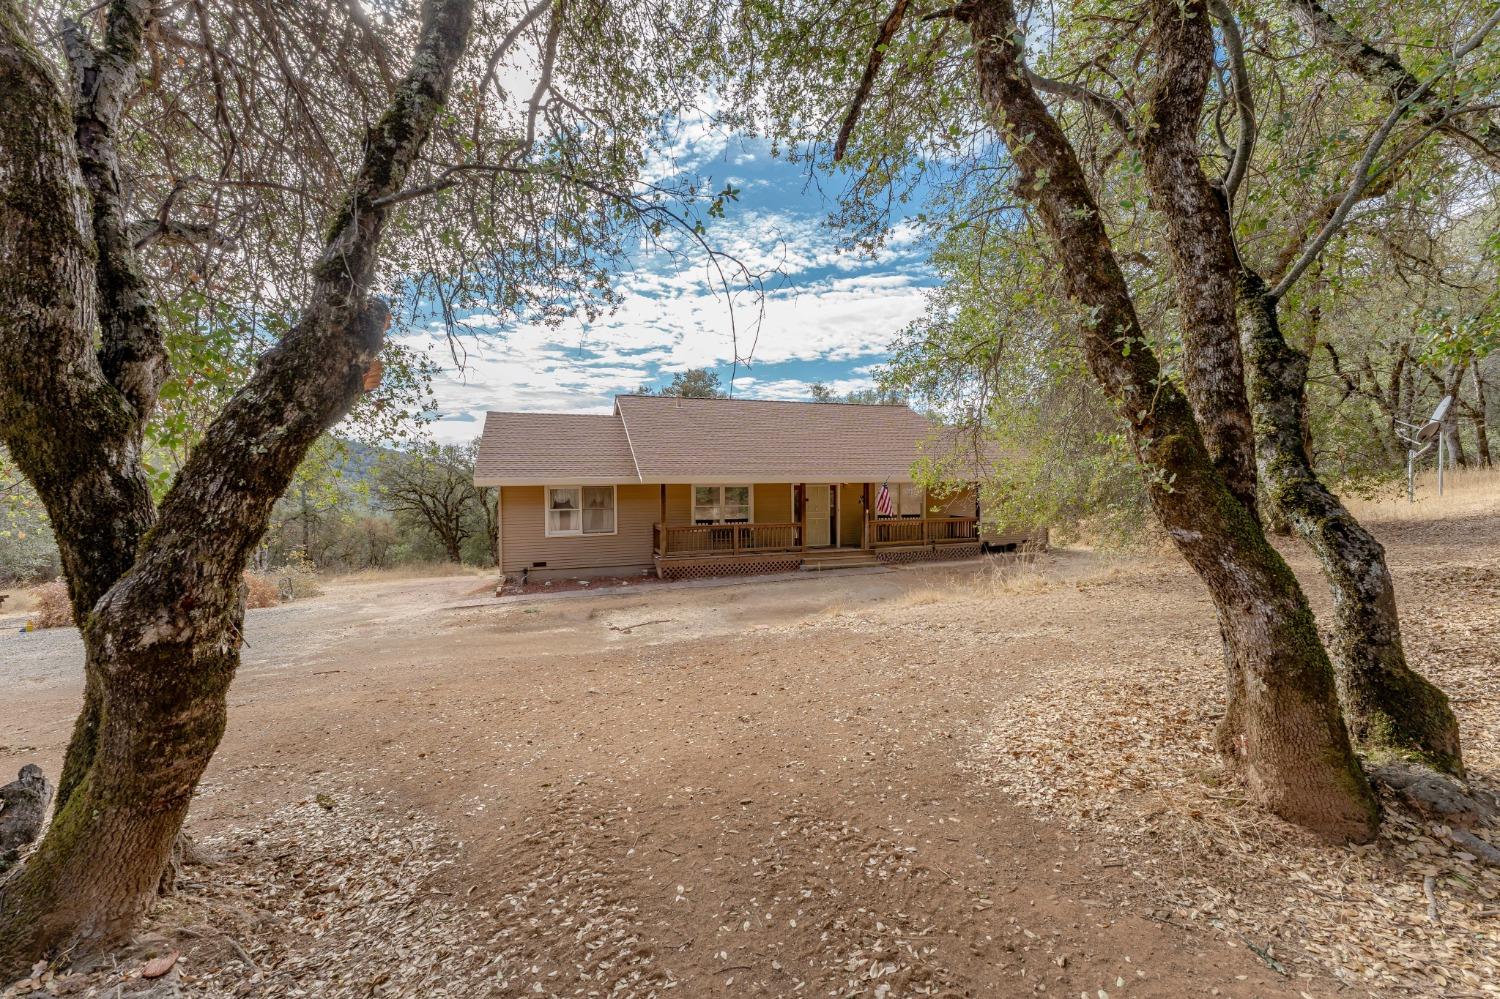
51,607
298,578
261,591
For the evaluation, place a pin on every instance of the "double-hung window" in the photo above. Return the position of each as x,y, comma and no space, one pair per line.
579,510
721,504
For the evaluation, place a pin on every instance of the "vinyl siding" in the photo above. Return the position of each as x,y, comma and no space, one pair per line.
851,514
771,503
959,504
679,504
524,541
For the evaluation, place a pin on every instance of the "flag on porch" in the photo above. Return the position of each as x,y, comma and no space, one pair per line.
883,501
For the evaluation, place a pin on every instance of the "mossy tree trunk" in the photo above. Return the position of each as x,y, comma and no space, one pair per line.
1387,705
1391,709
157,593
1284,730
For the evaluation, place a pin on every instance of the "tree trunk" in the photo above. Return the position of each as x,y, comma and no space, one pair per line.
1213,371
162,640
1282,728
1390,708
1481,427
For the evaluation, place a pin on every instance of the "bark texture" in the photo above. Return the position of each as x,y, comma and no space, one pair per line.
1283,728
1200,245
163,635
1390,708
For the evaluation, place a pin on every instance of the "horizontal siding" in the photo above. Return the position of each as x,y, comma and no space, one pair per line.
524,541
679,504
851,513
773,503
959,504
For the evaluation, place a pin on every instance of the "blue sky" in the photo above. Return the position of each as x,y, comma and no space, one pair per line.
830,317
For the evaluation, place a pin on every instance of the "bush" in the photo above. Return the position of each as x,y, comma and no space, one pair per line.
298,578
52,609
261,591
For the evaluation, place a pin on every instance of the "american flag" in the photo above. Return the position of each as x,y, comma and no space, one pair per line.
883,501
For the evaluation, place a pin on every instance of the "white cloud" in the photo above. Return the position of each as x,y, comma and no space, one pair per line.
830,307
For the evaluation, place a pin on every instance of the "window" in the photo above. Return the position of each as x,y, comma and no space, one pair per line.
721,504
908,500
576,510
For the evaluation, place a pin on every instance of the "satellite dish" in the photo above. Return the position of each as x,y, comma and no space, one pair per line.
1421,441
1429,430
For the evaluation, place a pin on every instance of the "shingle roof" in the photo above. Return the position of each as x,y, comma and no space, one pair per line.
705,439
667,439
562,448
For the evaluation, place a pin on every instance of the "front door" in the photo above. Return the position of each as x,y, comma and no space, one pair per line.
819,515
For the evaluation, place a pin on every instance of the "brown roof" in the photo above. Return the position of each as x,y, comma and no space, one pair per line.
562,448
667,439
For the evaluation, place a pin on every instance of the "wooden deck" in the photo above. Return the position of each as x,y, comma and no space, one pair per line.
699,540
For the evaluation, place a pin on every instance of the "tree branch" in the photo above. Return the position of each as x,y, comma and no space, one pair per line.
888,30
1363,175
1385,70
132,350
1110,109
218,508
1244,100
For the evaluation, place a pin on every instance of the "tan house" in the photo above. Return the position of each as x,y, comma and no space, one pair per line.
690,487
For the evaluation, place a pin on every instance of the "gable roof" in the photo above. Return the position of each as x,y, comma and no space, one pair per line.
669,439
553,448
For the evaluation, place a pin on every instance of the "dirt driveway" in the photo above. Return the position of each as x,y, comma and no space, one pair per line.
713,791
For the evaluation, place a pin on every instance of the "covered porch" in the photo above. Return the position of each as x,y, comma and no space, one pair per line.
816,520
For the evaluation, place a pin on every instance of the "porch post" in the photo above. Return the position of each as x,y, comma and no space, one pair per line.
801,510
864,541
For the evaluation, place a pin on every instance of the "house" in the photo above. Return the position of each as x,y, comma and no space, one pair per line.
692,487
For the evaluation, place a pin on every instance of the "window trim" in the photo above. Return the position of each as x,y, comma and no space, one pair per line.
547,530
749,488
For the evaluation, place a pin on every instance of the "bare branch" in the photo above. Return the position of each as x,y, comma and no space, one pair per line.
1244,100
1363,170
1384,69
1112,111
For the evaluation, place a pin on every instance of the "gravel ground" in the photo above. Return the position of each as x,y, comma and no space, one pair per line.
781,789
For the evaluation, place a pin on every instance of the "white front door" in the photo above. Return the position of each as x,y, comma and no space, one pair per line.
819,513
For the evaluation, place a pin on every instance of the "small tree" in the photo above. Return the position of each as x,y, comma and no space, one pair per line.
433,486
694,383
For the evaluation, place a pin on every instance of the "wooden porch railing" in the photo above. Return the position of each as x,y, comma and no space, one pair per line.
923,531
670,540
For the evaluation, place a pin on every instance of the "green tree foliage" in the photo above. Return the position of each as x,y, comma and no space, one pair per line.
694,383
430,490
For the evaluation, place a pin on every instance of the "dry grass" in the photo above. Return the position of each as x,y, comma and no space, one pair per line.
261,591
1466,493
1119,749
49,606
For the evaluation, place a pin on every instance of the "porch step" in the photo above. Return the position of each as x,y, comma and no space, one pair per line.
855,559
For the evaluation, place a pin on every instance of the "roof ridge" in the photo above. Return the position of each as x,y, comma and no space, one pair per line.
619,414
790,402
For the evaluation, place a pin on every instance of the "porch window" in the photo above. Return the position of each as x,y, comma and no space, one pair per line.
721,504
579,510
906,500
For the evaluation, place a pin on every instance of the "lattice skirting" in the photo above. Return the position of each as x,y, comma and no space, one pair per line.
930,554
670,569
